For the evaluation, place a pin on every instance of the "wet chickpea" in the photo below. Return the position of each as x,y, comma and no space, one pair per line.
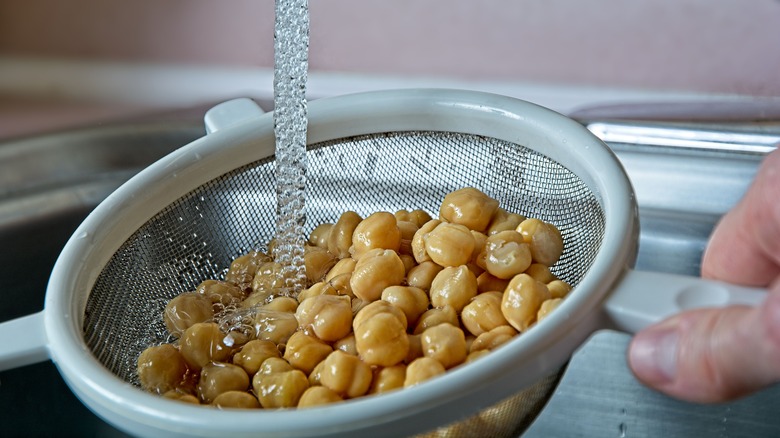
418,241
483,313
417,217
544,239
479,247
408,261
446,343
203,343
422,369
343,266
236,400
216,378
242,270
415,348
540,272
454,287
358,305
435,316
558,288
377,307
407,230
547,307
449,244
316,289
340,237
376,270
493,339
379,230
341,285
387,379
487,282
319,235
267,281
522,299
253,354
328,317
474,355
161,368
413,301
221,292
186,309
317,262
274,365
381,339
504,221
346,375
317,396
506,254
470,207
316,373
281,389
181,396
346,344
422,275
282,304
304,352
274,326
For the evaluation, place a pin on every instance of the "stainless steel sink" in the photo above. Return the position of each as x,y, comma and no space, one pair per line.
48,184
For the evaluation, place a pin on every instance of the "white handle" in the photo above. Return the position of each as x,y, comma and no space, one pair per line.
643,298
23,342
230,113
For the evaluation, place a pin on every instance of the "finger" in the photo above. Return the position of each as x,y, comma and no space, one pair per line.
745,246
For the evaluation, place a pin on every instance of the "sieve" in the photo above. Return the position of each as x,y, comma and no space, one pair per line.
184,218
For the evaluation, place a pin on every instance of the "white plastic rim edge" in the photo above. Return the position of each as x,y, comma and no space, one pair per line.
546,346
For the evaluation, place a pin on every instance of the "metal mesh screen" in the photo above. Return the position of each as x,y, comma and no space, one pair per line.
196,237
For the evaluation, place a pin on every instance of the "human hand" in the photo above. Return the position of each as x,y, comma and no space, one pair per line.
712,355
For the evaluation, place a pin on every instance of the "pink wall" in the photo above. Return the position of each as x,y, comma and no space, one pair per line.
728,46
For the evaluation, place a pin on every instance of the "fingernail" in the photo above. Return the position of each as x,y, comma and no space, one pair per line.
653,355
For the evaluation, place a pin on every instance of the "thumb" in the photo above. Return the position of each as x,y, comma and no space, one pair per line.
711,355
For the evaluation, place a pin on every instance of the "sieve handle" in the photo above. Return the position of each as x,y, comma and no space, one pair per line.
644,298
231,113
23,342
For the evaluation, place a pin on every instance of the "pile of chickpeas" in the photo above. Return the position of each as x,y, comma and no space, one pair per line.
393,299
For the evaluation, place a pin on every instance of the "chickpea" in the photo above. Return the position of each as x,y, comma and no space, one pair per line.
423,274
375,308
387,379
408,261
340,284
418,217
377,231
216,378
382,340
479,247
435,316
343,266
329,317
449,244
318,261
357,306
422,369
161,368
547,307
487,282
474,355
274,326
506,254
203,343
346,375
454,287
418,241
316,289
242,270
545,240
558,288
268,280
177,395
540,272
253,354
446,343
413,301
346,344
415,348
470,207
274,365
186,309
522,300
493,339
376,270
340,238
483,313
318,395
236,400
282,304
316,373
407,230
319,235
504,221
281,389
304,352
220,292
